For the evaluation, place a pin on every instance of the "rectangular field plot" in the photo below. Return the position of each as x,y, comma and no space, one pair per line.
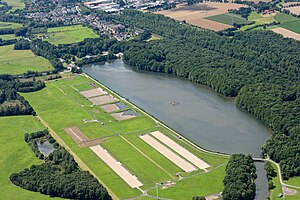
116,167
114,107
128,114
93,92
180,150
80,138
103,100
180,162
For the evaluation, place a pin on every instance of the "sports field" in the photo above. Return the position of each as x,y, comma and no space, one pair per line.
61,106
16,155
4,25
20,61
69,34
229,19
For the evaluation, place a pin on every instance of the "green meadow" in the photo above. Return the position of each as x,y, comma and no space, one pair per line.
16,4
69,34
16,155
20,61
8,37
229,19
4,25
60,105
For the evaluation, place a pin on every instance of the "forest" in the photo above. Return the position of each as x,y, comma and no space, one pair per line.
239,181
259,68
59,174
11,102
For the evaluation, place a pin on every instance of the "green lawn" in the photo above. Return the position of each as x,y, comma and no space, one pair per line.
4,25
294,197
16,4
20,61
229,19
153,37
277,190
69,34
8,37
61,106
16,155
293,181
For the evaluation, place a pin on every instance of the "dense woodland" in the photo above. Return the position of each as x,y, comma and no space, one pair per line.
239,182
59,175
11,102
259,68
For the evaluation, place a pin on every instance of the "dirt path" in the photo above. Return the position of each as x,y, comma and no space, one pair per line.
81,164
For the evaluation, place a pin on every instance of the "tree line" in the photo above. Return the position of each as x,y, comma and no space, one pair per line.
59,175
239,181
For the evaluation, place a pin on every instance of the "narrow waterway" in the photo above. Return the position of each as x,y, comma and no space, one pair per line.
208,119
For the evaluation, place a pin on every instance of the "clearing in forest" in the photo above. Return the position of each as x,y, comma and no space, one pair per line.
229,19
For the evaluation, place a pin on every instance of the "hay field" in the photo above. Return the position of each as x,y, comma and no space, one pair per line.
17,155
294,10
4,25
287,33
61,105
197,13
20,61
69,34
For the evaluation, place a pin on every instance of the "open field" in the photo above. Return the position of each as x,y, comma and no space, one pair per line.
283,18
20,61
8,37
229,19
16,155
61,106
69,34
16,4
292,26
287,33
259,20
196,14
4,25
294,10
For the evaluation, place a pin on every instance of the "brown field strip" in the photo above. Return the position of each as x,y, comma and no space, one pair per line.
196,13
80,138
180,150
110,108
294,10
128,114
287,33
93,92
105,99
116,166
177,160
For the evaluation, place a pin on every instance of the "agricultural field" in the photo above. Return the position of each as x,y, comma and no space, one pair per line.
4,25
66,107
20,61
294,9
292,26
16,4
69,34
289,26
286,33
277,190
229,19
8,37
16,155
258,19
284,18
196,14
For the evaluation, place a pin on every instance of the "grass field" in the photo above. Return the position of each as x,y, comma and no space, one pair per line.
153,37
283,18
8,37
4,25
274,192
20,61
16,155
16,4
259,20
61,106
69,34
292,26
229,19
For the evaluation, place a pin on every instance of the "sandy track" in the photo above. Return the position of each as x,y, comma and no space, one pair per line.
287,33
180,150
116,167
105,99
180,162
80,138
93,92
124,115
195,14
110,108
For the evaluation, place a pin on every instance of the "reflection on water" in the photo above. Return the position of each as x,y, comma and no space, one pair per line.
45,148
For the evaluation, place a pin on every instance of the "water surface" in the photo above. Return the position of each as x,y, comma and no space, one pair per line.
45,148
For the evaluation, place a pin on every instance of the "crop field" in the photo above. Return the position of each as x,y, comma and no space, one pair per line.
8,37
229,19
69,34
20,61
288,24
4,25
196,14
287,33
61,106
294,10
292,26
16,155
283,18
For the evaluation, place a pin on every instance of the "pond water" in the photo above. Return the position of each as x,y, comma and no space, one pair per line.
45,148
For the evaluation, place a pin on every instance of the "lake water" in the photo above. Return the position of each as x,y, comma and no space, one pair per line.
210,120
45,148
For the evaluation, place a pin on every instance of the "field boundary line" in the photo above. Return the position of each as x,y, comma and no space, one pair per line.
81,164
147,157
